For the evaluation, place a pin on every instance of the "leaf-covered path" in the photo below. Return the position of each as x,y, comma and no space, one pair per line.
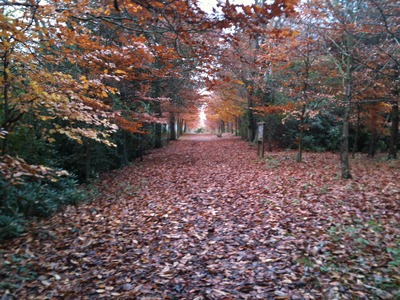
206,219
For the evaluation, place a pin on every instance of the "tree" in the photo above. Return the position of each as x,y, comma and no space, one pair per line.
226,105
385,40
348,40
295,59
239,50
83,69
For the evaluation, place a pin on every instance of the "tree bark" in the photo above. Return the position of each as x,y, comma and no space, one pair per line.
373,142
158,113
181,123
6,103
123,149
141,147
172,131
299,157
88,154
251,130
394,131
237,120
354,150
348,92
344,147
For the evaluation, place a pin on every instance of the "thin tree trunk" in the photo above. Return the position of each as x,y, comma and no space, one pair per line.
236,126
124,150
251,130
269,134
354,150
141,147
373,142
172,131
88,154
394,131
348,91
219,129
6,103
158,127
344,147
181,122
158,112
299,157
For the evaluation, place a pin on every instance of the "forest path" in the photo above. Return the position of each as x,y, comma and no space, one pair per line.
205,218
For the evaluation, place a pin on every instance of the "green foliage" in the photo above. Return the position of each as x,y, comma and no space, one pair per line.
34,199
305,261
39,152
362,238
10,226
199,130
272,162
395,256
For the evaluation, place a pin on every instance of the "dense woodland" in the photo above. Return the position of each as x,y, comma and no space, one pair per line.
90,87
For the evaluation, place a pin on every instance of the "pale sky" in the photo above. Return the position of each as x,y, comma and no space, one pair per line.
207,5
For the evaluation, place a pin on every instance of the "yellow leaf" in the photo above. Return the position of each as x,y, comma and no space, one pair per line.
120,72
238,81
45,118
104,94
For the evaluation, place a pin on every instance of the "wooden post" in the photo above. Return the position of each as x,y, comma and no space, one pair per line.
260,139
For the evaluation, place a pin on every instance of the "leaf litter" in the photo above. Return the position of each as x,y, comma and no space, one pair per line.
205,218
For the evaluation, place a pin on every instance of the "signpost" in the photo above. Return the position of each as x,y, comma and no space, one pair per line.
260,139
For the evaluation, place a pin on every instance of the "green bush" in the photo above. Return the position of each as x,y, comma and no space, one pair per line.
11,226
34,199
199,130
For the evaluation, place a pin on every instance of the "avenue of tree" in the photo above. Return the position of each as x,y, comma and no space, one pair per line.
88,86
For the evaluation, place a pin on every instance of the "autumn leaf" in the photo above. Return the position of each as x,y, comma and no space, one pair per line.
206,216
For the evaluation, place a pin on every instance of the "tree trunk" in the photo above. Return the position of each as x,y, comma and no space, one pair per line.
219,129
88,154
394,131
373,142
172,130
237,126
123,150
251,130
299,157
181,122
348,92
6,104
158,127
141,147
355,148
344,147
158,113
178,127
